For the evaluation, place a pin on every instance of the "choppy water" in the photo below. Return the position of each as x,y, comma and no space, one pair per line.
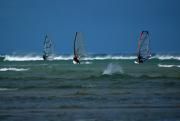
102,88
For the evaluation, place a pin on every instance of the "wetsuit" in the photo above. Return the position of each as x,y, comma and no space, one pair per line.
45,57
76,59
140,59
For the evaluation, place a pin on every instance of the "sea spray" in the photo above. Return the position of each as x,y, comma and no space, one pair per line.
113,68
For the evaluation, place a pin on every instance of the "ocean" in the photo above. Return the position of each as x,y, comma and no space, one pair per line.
101,88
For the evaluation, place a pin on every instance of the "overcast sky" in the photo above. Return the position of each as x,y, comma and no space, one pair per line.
108,26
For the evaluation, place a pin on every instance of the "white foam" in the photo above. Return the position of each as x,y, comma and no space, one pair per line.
86,62
111,57
14,69
166,57
168,66
22,58
112,69
30,57
63,57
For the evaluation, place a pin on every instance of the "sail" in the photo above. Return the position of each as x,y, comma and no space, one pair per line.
79,49
48,49
143,45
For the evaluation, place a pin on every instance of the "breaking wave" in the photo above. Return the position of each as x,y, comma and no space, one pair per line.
111,57
88,58
22,58
168,66
166,57
14,69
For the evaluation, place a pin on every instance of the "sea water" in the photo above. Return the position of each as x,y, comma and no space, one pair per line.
101,88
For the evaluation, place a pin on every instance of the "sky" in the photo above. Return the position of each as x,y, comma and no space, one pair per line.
108,26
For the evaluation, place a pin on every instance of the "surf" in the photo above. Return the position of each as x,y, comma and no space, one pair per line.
89,57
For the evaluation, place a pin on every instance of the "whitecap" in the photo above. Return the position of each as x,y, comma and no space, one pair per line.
30,57
110,57
168,66
14,69
63,57
86,62
166,57
22,58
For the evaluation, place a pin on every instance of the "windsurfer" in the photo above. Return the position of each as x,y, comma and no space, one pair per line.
45,57
140,59
76,59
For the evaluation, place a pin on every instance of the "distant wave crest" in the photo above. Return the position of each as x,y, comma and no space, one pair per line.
166,57
22,58
14,69
88,58
111,57
168,66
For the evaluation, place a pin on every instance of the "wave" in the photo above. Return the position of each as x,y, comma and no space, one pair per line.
131,77
73,81
14,69
22,58
111,57
66,57
86,62
168,66
30,57
167,57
